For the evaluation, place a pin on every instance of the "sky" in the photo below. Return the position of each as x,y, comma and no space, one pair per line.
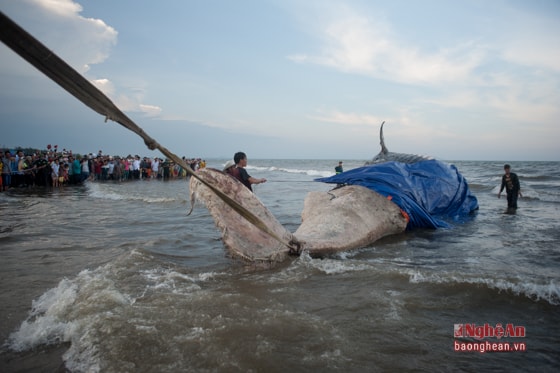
288,79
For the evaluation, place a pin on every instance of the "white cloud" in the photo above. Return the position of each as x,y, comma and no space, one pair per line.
339,117
455,99
514,106
65,8
105,86
80,41
150,110
355,44
514,72
127,102
535,44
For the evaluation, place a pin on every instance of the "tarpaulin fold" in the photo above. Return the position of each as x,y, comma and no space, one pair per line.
432,193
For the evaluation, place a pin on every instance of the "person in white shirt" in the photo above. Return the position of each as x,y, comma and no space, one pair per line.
54,173
111,168
155,167
136,167
85,169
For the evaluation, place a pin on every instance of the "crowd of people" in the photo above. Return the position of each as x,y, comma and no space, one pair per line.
57,169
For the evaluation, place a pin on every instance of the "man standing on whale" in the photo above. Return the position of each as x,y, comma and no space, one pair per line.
241,174
510,182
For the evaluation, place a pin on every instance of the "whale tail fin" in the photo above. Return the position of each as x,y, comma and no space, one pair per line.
384,149
382,155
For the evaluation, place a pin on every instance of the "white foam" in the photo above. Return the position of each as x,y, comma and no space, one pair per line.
395,304
69,313
333,266
194,334
170,280
549,292
101,191
83,310
310,172
47,323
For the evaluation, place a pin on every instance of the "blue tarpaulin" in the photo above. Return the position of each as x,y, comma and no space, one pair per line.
431,192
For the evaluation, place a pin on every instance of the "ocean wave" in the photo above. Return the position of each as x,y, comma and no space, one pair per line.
61,312
328,266
475,187
76,308
549,292
97,191
310,172
46,323
333,266
553,179
528,193
314,173
173,281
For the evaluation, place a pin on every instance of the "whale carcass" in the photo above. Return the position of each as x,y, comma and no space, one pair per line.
342,219
374,201
432,193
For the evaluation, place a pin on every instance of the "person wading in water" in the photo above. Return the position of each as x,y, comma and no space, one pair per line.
510,182
241,174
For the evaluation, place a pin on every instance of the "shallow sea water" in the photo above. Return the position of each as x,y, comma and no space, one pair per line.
112,277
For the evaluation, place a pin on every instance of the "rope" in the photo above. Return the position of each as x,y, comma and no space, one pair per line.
46,61
291,181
